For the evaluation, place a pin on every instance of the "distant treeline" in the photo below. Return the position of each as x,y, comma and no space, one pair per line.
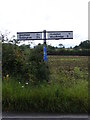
82,50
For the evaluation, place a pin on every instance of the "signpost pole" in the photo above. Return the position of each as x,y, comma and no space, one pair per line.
45,51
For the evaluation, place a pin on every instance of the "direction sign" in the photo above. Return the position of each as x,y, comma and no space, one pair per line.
47,35
29,35
56,35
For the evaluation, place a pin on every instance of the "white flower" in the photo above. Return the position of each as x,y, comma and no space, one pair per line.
22,86
26,83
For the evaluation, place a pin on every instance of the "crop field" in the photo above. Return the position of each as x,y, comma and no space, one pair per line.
66,92
68,67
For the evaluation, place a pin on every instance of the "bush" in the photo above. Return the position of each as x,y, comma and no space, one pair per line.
25,64
39,69
12,60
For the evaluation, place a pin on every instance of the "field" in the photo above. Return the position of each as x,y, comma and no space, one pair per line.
66,92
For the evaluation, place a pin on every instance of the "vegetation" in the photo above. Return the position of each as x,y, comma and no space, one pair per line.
83,45
18,61
52,98
65,92
38,68
82,50
72,52
59,85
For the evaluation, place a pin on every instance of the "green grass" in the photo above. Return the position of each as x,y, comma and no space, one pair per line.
67,91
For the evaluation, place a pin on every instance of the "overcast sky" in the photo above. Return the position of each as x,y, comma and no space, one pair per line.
51,15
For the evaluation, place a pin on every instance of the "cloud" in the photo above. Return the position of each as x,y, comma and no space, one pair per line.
37,15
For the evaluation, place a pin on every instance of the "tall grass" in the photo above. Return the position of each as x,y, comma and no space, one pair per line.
45,98
66,92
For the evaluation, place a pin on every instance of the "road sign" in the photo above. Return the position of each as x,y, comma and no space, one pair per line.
47,35
29,35
56,35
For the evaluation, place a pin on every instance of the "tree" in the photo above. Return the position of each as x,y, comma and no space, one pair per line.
61,46
83,45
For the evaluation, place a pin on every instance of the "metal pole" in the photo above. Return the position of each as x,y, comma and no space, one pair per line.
45,51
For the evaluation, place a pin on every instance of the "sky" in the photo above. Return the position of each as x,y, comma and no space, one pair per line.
51,15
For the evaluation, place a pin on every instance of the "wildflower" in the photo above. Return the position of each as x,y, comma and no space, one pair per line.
19,82
22,86
7,76
26,83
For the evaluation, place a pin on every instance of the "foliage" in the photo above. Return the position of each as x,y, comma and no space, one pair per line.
66,92
13,60
38,68
82,50
24,64
63,51
52,98
83,45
